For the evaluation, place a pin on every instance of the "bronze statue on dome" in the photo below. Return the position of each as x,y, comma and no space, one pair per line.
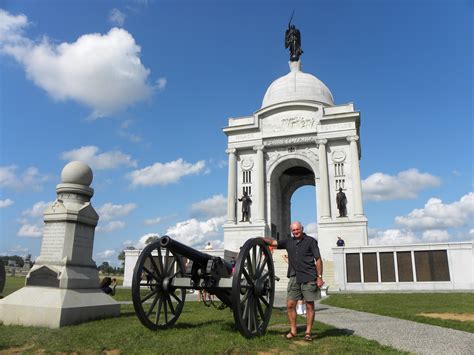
293,41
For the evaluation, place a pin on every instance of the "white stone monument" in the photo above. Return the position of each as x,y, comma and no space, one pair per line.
62,287
298,137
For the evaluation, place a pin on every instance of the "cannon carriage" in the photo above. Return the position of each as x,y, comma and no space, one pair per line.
161,280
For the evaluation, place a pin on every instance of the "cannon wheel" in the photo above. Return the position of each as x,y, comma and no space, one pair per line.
253,288
157,303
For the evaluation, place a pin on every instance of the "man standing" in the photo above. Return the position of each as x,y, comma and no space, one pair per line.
341,202
305,271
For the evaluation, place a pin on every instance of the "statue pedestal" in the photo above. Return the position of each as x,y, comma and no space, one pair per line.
235,235
62,287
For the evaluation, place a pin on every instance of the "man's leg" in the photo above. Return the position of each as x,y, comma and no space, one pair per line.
309,316
291,309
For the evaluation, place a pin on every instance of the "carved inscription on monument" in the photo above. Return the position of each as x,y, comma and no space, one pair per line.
336,127
288,141
290,121
83,243
53,241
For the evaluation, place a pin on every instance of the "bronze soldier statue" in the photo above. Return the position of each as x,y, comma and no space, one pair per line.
341,202
246,202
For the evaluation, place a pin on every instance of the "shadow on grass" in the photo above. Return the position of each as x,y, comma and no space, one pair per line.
335,333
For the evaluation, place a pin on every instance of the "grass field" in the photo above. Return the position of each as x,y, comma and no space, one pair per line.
410,305
199,329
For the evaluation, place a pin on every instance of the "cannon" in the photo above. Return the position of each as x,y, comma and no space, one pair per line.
161,279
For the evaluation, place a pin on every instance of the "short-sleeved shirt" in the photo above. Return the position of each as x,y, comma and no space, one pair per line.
302,254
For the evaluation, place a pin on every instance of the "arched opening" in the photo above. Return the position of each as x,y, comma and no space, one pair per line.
303,208
290,175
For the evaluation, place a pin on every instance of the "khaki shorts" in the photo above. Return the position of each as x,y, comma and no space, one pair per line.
307,291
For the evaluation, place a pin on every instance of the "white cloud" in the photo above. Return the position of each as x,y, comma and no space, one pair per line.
153,221
101,161
5,203
19,249
103,72
30,230
435,236
164,174
110,211
405,185
437,215
117,17
105,254
211,207
312,229
391,237
37,210
141,242
124,132
195,233
161,83
111,226
29,179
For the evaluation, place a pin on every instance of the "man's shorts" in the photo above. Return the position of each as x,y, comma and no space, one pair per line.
307,291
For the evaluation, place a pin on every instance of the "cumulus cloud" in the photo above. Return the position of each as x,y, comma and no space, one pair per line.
5,203
164,174
437,215
29,179
117,17
312,229
110,211
435,236
37,210
105,254
101,161
111,226
211,207
100,71
196,233
161,83
30,230
405,185
391,237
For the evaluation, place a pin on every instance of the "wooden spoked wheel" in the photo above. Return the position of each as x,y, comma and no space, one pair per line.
253,288
157,303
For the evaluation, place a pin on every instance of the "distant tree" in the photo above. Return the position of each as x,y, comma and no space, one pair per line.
18,259
121,255
151,239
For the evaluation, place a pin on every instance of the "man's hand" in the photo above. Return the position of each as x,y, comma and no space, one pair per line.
319,281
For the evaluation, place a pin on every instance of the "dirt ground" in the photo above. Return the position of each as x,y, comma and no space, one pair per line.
463,317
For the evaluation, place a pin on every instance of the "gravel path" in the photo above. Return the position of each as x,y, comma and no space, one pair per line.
401,334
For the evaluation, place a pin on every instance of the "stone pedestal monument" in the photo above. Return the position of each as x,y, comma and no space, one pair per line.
62,287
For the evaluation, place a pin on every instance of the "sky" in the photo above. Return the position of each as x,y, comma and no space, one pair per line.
141,89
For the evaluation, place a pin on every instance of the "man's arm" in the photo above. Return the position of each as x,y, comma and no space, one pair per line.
319,271
270,241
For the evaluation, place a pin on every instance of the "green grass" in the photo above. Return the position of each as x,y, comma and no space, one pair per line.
408,305
199,329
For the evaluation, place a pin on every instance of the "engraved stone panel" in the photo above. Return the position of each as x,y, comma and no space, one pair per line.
290,121
405,270
387,267
370,267
353,267
432,265
43,276
53,241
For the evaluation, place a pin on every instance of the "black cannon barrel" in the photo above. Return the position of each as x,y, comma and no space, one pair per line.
184,250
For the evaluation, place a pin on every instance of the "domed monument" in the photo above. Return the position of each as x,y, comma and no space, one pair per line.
298,137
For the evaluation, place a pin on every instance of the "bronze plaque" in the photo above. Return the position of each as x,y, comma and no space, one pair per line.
405,270
353,267
387,267
439,265
432,265
370,267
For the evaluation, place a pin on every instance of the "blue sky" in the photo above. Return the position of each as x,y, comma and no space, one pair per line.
140,90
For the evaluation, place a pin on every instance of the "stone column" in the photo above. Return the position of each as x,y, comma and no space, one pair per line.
356,183
324,179
231,186
260,167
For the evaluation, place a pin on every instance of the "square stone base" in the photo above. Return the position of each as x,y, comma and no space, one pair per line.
235,235
54,307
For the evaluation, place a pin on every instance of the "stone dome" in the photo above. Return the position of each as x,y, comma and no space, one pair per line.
77,172
297,85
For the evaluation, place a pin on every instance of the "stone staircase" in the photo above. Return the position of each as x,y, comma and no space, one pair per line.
281,268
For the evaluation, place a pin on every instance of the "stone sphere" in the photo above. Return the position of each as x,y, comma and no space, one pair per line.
77,172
